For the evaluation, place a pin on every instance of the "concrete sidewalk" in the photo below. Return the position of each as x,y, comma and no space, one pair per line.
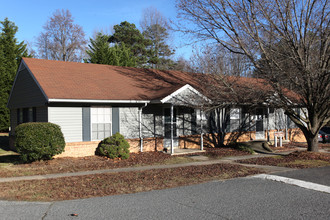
200,160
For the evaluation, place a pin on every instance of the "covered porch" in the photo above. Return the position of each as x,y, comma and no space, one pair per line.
186,96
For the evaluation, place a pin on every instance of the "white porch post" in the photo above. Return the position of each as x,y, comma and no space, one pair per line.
172,144
140,129
201,121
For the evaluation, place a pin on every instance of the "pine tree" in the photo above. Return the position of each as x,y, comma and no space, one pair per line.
11,53
127,33
159,51
101,52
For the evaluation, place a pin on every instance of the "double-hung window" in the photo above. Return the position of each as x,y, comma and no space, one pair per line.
101,122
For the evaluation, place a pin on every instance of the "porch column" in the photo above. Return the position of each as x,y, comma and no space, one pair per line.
286,127
172,144
201,121
140,129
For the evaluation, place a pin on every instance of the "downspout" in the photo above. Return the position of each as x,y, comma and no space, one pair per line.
140,126
201,119
172,144
268,139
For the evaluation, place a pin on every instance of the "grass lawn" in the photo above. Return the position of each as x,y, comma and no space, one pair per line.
67,188
10,165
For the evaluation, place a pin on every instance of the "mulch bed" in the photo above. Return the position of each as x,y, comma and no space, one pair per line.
64,165
119,183
288,161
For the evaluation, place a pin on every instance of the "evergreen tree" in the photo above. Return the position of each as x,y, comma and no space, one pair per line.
127,33
101,52
159,50
11,53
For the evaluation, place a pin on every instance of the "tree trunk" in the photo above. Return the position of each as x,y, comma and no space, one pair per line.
313,144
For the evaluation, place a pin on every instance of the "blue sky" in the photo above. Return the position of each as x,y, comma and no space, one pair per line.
31,15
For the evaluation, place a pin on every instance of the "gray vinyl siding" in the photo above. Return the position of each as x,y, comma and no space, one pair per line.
129,122
13,121
70,121
42,114
152,121
280,119
184,122
26,92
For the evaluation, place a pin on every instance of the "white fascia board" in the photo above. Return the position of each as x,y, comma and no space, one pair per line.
97,101
183,88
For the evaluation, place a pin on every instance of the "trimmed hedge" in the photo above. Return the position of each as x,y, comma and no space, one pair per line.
113,147
38,141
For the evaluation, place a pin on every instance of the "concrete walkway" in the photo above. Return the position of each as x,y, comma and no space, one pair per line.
200,160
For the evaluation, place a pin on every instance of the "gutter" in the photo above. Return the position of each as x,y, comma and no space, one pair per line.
97,101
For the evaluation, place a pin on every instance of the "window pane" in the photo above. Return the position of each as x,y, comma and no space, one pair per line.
107,127
107,134
94,135
94,119
100,135
167,130
100,127
100,119
100,111
107,111
94,127
30,115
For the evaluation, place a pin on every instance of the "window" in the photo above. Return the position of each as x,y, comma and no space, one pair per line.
101,122
167,114
234,119
26,115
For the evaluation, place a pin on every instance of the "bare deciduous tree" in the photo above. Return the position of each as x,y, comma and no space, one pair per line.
292,37
216,60
61,38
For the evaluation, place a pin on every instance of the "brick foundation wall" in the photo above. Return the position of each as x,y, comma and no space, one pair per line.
81,149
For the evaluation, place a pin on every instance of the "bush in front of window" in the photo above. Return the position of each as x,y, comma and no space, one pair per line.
113,147
38,141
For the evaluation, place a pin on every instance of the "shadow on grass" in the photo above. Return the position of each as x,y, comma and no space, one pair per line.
14,159
6,154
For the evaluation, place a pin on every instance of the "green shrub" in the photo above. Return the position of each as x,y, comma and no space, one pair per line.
38,141
113,147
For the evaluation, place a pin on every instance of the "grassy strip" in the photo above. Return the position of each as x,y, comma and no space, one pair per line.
68,188
10,164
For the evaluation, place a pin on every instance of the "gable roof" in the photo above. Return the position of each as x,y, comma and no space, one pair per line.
62,81
85,81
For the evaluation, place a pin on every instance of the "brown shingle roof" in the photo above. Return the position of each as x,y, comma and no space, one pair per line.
69,80
85,81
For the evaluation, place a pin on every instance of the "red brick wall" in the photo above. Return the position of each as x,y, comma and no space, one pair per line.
81,149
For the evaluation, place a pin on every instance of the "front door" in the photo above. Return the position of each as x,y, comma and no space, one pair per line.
167,128
260,132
